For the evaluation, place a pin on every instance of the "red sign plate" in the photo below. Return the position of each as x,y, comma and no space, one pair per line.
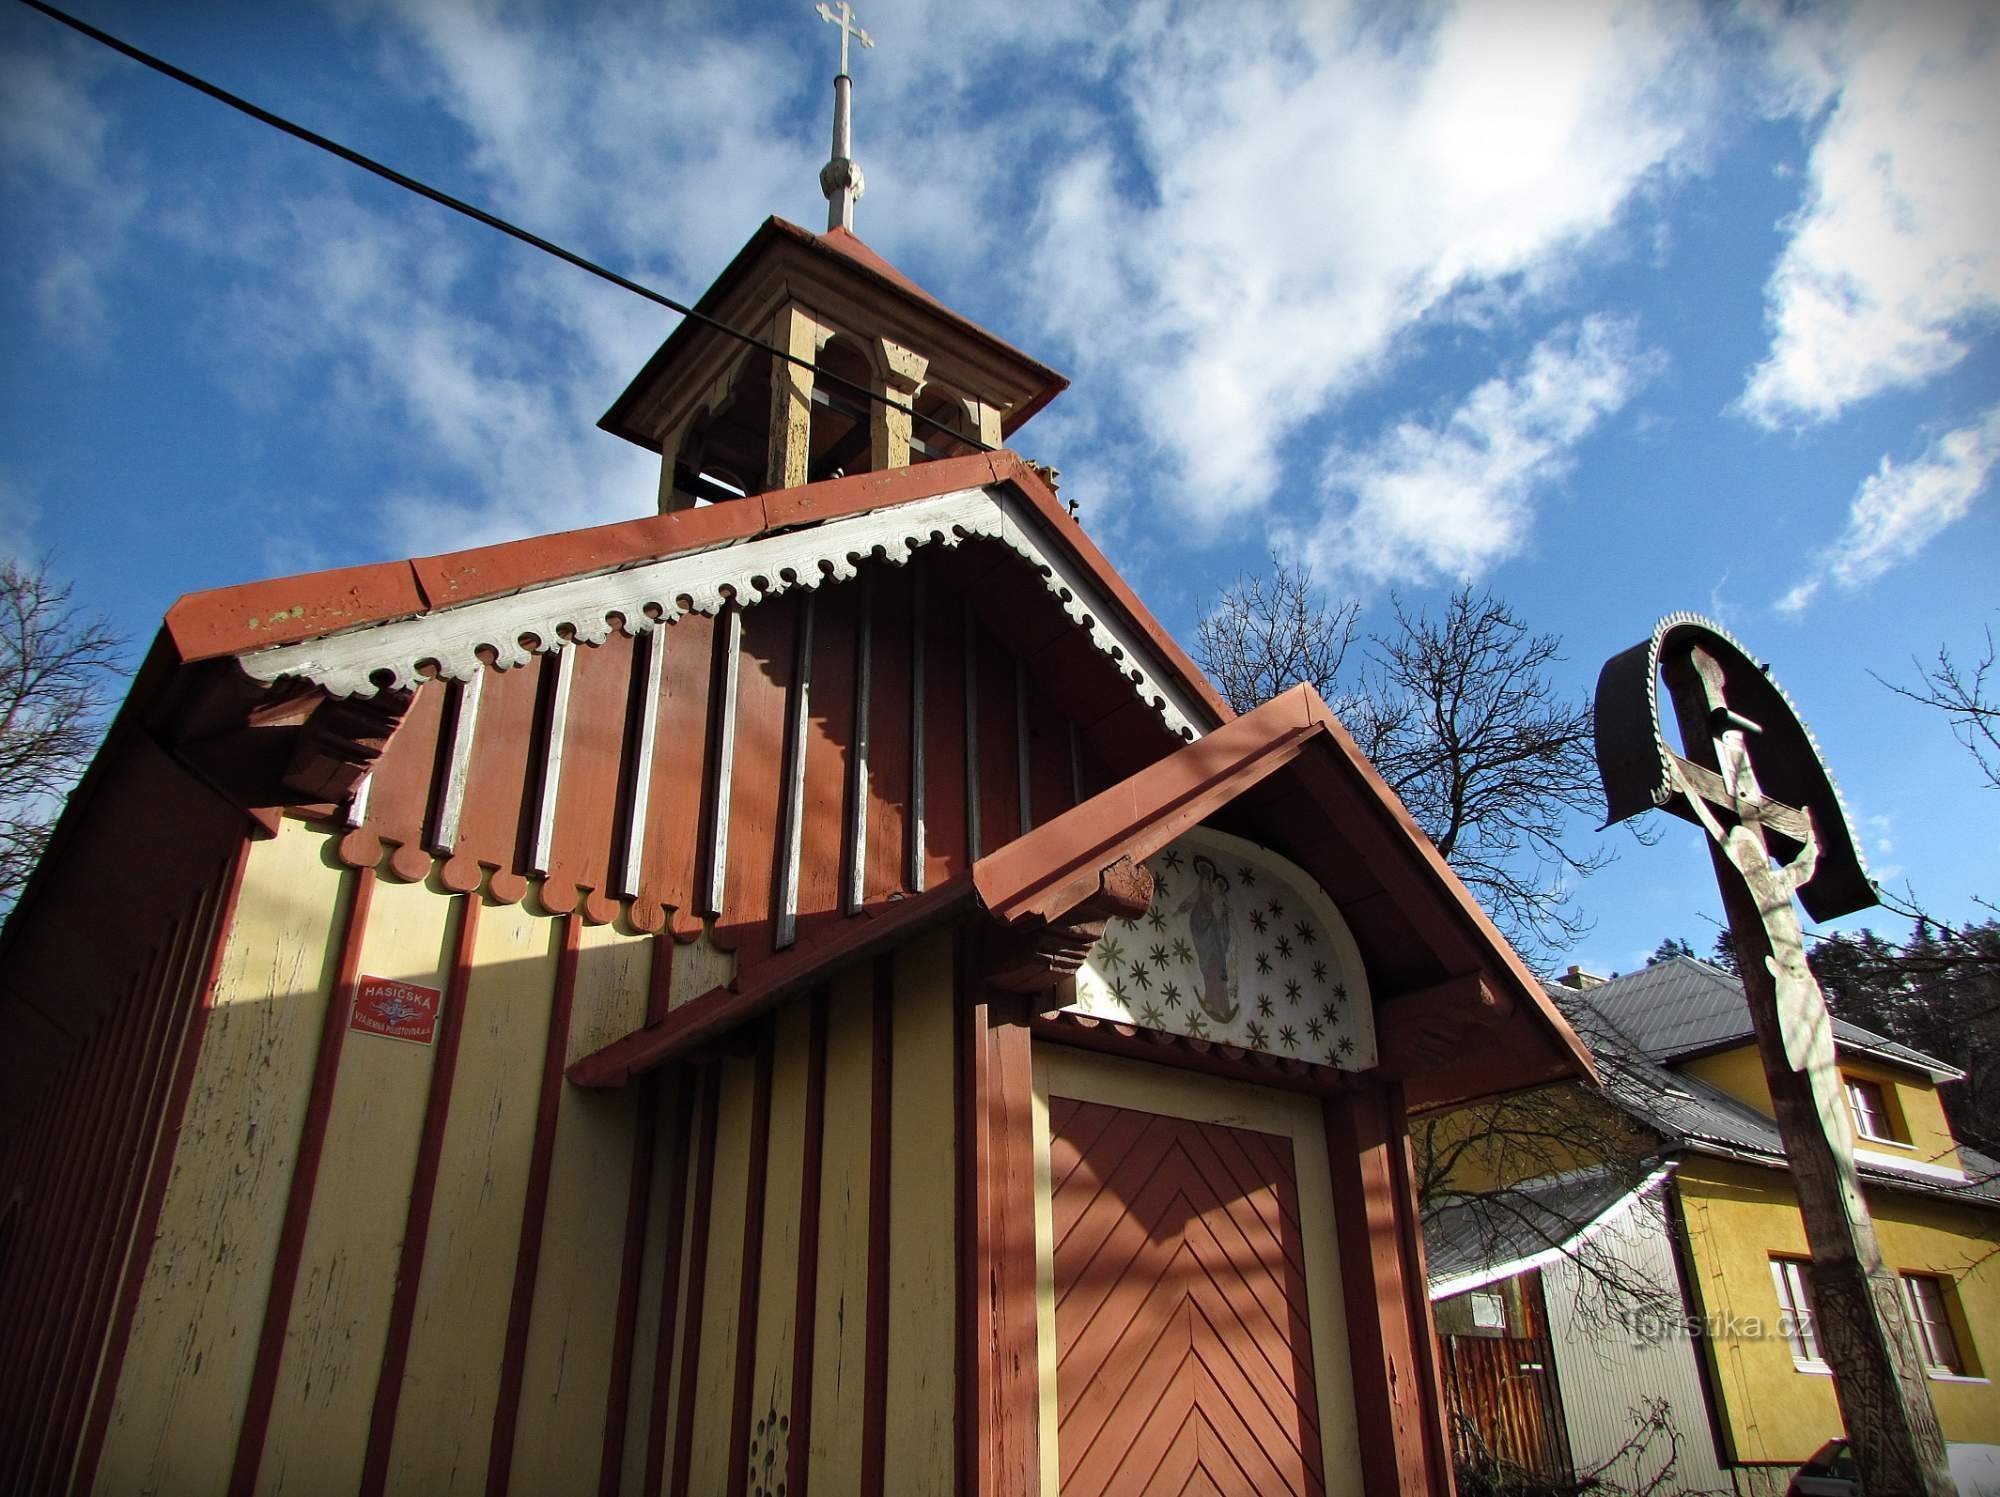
399,1010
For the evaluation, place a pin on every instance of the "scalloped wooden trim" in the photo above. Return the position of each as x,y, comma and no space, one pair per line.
519,626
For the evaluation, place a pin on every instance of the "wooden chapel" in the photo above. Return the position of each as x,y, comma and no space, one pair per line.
810,990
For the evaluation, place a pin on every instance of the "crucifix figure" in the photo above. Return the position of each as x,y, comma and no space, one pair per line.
1750,775
840,179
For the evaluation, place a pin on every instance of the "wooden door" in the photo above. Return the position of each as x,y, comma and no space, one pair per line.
1184,1355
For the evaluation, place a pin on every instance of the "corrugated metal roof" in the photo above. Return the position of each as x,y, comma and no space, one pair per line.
1687,1111
1472,1234
1683,1006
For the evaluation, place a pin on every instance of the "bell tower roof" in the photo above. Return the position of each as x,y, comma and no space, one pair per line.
848,286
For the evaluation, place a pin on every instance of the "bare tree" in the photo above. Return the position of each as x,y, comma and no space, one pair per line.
1457,711
1962,693
57,666
1266,635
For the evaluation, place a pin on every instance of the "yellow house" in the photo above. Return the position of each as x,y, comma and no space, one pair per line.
1719,1219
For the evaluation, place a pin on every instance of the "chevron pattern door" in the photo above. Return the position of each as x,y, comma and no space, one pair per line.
1184,1354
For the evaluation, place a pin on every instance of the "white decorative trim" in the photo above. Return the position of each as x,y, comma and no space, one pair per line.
1922,1167
545,815
655,646
748,571
465,723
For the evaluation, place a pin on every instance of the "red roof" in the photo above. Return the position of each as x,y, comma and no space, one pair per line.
256,615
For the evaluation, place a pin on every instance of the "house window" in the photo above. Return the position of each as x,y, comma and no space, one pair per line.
1929,1319
1795,1314
1871,1110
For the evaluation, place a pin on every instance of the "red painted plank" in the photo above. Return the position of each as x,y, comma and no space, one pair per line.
669,882
764,677
888,861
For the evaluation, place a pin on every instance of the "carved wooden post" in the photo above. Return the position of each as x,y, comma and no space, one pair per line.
1752,778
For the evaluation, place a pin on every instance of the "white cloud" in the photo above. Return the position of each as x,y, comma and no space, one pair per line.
55,153
1897,242
1424,502
1898,511
1312,185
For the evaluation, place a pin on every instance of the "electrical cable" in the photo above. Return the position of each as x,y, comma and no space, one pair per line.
477,214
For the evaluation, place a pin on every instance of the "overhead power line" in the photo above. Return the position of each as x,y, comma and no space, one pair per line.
477,214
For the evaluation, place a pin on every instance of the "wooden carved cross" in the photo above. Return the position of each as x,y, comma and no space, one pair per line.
842,15
1751,776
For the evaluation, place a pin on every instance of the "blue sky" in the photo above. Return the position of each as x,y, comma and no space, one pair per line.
1614,308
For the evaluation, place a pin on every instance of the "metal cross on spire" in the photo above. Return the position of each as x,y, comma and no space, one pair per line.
840,179
842,16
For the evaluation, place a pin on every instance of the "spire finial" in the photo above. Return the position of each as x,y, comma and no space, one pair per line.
840,178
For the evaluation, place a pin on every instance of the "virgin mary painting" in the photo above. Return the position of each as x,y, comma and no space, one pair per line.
1208,912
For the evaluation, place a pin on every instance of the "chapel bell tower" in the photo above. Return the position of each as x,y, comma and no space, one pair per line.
730,419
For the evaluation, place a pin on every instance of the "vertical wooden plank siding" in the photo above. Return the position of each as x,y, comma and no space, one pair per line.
158,1113
889,809
572,1318
626,1326
445,1405
841,1314
740,1453
761,1442
660,1288
195,1327
423,1194
805,1293
999,1431
338,1325
687,1362
881,1156
1395,1390
712,1378
120,1054
528,1257
299,1198
920,1445
158,1168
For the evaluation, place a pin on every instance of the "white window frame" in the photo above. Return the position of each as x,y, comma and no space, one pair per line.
1937,1343
1795,1313
1868,1105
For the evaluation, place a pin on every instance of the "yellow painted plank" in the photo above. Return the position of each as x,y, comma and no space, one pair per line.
347,1269
923,1245
778,1260
694,1146
178,1408
614,970
699,966
452,1377
567,1370
641,1397
567,1366
840,1336
715,1372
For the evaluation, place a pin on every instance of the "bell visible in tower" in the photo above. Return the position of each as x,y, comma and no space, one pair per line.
812,357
